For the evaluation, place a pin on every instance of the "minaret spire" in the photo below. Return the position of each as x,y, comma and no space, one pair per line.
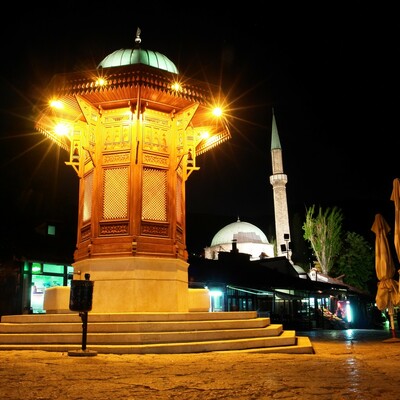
278,181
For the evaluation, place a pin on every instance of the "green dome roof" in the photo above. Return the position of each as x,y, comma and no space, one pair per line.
138,56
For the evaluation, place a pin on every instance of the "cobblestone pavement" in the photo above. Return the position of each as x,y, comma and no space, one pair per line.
347,365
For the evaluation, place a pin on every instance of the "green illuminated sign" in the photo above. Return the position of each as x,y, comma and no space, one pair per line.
36,268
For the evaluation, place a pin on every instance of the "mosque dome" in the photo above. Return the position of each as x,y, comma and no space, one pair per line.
241,232
248,238
138,55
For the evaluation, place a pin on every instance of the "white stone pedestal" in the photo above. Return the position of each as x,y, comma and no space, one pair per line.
56,300
136,284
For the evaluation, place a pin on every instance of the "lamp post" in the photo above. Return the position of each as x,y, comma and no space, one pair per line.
81,298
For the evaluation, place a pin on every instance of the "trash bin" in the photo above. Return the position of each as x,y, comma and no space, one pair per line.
81,295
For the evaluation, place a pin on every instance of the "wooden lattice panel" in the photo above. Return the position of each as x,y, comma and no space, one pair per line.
179,210
115,189
87,198
154,206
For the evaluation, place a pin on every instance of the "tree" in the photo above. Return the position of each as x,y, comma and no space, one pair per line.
356,262
302,255
324,232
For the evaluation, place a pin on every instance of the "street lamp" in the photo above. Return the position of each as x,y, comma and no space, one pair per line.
286,247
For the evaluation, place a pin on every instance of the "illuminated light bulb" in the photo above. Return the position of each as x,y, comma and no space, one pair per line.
56,104
176,86
61,129
217,111
101,82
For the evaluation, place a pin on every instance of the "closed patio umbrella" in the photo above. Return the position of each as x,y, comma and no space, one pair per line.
387,295
395,197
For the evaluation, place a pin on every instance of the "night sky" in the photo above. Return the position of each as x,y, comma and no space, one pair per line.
329,72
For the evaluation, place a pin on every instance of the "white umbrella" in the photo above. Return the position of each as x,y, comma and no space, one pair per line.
387,295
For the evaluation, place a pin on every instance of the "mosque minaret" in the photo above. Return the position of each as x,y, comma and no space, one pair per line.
246,237
278,180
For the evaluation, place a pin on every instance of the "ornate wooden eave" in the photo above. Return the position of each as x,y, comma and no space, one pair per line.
122,83
140,86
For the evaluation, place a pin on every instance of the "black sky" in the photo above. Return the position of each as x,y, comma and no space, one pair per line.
329,71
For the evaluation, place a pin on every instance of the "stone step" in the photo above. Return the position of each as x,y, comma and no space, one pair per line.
145,337
120,327
141,333
132,317
288,343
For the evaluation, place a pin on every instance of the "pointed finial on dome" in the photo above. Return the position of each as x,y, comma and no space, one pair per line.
137,38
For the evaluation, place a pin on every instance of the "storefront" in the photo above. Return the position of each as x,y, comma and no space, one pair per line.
37,277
